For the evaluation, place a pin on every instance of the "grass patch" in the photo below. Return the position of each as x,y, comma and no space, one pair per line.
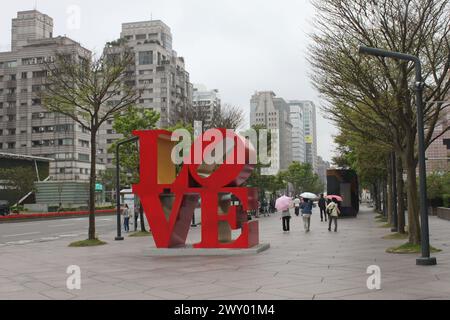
381,219
408,248
140,234
396,236
87,243
386,226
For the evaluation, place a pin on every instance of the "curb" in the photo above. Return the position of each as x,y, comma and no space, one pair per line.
53,216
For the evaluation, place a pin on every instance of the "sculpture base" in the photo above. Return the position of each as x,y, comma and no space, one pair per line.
190,251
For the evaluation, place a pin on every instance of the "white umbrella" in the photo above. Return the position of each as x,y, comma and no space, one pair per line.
309,195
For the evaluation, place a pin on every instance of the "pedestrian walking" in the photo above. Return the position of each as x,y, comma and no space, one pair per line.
297,202
306,206
126,218
265,207
283,205
286,217
136,216
333,209
323,208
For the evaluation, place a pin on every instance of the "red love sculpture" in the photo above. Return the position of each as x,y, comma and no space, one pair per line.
169,200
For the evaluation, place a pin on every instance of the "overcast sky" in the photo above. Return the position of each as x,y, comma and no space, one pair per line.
236,46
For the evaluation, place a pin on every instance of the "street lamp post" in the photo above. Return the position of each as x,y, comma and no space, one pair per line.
425,260
119,144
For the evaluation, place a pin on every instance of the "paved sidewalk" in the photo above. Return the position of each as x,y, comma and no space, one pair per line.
318,265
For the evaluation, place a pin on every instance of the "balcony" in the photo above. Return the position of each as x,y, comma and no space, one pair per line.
11,84
11,97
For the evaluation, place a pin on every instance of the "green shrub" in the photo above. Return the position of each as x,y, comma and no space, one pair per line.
446,200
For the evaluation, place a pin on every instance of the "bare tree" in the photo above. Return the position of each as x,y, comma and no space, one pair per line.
91,92
374,96
227,117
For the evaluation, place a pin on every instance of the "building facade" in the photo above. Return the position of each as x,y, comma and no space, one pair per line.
298,132
274,114
322,168
206,103
26,127
159,75
310,131
438,153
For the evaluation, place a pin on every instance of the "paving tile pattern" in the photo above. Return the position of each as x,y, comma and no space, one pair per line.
316,266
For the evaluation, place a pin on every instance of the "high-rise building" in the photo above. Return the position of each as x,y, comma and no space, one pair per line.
310,129
159,75
206,103
268,111
298,132
26,127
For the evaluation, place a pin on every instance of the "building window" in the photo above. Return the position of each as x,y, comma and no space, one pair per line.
83,157
11,145
65,142
39,74
10,64
24,75
141,36
83,143
145,57
146,81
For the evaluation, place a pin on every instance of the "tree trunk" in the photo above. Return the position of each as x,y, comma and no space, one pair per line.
384,190
92,181
389,195
413,201
376,196
400,197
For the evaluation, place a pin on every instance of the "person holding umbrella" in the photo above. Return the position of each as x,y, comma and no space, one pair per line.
334,211
283,204
307,206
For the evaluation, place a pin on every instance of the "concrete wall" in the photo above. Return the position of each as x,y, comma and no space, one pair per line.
444,213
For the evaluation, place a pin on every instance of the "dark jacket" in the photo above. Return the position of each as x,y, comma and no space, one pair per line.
306,207
322,203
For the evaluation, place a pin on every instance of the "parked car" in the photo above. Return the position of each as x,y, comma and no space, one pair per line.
4,208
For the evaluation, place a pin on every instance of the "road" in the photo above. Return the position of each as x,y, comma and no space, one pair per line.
51,230
21,233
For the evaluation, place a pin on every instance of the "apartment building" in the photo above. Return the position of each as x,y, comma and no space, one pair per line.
26,127
206,103
159,75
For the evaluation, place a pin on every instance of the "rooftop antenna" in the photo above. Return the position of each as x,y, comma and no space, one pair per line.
35,4
151,16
